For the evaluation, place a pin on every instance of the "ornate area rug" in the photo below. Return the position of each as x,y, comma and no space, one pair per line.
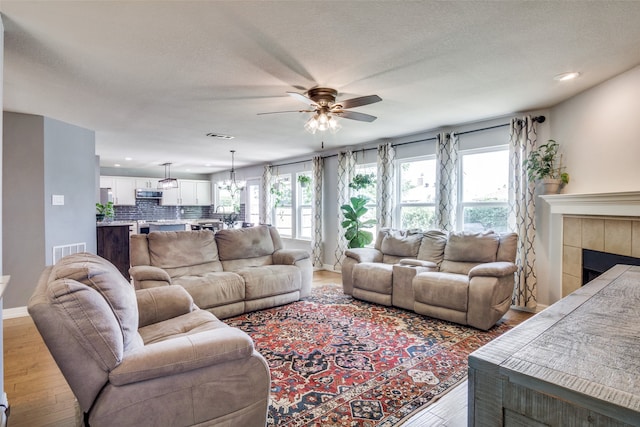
337,361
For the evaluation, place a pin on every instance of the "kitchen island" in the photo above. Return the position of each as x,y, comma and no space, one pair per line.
113,244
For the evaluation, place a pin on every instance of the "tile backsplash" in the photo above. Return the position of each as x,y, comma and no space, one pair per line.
152,210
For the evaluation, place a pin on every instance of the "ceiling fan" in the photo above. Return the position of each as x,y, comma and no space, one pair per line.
322,102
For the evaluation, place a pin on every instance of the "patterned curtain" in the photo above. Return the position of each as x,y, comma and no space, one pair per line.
346,170
267,201
522,140
384,189
316,212
446,181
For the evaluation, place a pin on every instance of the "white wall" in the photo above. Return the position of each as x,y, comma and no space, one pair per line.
599,131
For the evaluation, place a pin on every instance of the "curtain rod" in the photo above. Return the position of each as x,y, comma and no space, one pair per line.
537,119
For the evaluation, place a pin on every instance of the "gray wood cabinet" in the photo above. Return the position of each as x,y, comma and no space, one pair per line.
577,363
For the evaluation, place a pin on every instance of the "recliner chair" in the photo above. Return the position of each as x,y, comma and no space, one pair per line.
145,358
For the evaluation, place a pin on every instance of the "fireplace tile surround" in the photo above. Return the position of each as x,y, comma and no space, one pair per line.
620,236
606,222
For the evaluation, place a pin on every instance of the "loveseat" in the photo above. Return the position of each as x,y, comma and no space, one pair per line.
461,277
147,357
231,272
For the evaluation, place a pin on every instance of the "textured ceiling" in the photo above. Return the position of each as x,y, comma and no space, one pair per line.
153,78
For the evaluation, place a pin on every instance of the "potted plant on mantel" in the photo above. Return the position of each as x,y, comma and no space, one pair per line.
546,169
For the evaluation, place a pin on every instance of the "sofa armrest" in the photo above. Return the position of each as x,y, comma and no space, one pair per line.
493,269
182,354
418,263
364,254
159,304
289,256
147,276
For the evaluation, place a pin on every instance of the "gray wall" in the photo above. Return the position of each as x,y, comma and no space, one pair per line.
42,157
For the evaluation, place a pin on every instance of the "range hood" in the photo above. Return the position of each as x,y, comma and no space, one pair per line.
141,193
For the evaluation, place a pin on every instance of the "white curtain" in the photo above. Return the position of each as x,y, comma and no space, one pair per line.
316,212
266,205
346,170
446,181
385,187
522,140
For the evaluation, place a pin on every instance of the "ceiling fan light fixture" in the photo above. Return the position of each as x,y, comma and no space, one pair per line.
312,124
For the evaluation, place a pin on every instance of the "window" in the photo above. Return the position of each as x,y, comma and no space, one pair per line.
304,191
484,179
224,203
415,206
292,201
282,204
252,211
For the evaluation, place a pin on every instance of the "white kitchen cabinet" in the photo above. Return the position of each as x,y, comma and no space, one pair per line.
147,183
188,193
122,187
203,193
171,197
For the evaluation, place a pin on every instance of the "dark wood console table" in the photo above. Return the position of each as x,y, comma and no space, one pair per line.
576,363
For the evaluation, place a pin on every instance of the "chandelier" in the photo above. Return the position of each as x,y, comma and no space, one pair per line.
231,185
168,182
321,121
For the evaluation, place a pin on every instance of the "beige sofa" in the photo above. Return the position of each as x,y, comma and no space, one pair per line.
466,278
147,357
227,273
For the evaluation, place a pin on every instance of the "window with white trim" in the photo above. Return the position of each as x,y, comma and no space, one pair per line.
304,192
292,197
416,195
281,193
483,189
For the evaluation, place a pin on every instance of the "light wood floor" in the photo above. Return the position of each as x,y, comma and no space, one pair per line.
39,395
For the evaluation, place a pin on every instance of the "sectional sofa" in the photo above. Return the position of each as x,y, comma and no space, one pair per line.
227,273
465,278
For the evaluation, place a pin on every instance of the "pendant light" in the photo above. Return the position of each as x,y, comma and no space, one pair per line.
167,183
231,185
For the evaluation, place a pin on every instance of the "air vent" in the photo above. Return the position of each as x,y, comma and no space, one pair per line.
219,136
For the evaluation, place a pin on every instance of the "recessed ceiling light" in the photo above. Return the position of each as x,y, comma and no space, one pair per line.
117,165
208,165
128,158
566,76
219,136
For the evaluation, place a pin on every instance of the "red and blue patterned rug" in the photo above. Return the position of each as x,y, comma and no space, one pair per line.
337,361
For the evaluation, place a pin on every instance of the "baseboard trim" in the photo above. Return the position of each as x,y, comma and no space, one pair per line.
12,313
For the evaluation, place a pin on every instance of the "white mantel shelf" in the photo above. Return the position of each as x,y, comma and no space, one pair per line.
617,204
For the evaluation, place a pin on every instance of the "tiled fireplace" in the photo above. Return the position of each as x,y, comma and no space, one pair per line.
607,222
611,235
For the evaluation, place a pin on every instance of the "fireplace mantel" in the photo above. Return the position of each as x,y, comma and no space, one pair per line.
614,204
618,205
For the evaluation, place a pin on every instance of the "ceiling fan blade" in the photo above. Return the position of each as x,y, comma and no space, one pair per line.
354,115
300,97
357,102
290,111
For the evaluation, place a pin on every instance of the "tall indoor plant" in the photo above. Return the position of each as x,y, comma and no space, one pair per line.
544,166
355,227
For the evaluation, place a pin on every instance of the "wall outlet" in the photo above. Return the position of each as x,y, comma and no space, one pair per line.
57,199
